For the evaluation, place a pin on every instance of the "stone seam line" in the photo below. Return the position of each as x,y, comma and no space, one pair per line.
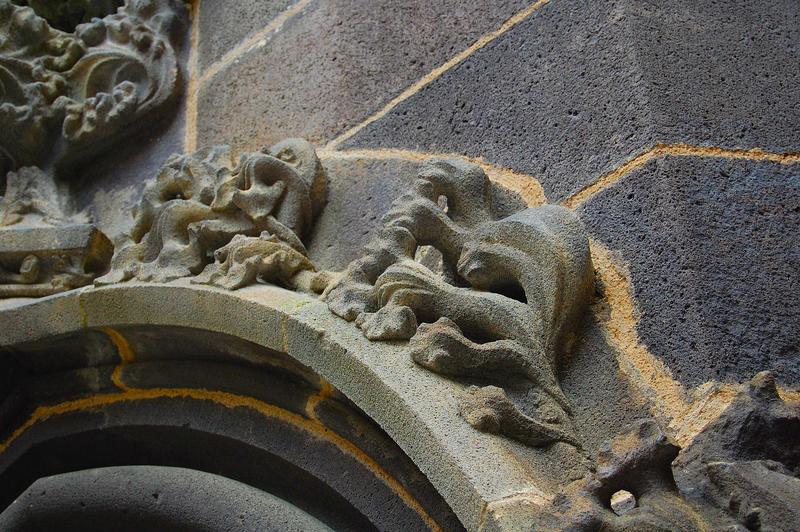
190,123
678,150
197,80
226,399
439,71
528,187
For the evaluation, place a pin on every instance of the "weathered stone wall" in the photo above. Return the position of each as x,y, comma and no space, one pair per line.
671,130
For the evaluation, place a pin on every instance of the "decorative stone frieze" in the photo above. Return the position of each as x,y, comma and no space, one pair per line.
477,296
227,225
67,96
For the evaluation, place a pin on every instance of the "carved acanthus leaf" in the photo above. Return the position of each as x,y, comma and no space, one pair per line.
498,307
229,226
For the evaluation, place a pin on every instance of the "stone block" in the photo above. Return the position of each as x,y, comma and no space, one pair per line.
223,25
713,266
567,98
334,64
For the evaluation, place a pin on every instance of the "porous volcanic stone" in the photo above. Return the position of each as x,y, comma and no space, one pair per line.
335,64
567,97
714,265
224,24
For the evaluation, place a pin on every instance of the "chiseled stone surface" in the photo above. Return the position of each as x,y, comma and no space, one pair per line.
417,408
500,303
335,64
713,261
496,298
566,98
224,24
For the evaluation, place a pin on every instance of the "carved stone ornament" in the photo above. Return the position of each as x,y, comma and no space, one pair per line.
43,249
478,297
745,464
66,96
227,226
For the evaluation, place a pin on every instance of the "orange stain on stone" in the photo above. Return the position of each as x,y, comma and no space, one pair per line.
676,150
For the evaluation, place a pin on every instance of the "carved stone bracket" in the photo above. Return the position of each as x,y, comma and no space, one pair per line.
478,297
229,226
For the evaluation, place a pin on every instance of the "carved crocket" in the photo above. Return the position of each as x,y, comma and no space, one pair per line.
501,306
227,226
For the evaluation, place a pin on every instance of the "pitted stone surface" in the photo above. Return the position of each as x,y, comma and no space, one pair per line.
584,93
710,248
223,25
335,64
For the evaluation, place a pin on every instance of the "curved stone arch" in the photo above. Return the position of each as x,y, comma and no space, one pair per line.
478,475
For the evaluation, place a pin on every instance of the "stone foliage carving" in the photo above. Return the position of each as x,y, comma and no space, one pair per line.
44,249
637,464
228,226
740,473
478,297
67,96
746,464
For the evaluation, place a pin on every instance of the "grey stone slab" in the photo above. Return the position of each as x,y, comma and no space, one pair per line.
224,24
334,64
579,87
714,263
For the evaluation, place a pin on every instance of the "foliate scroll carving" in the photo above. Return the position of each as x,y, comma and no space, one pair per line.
478,297
228,226
44,248
68,96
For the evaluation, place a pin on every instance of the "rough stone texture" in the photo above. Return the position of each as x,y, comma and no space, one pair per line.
567,97
202,206
150,496
334,65
414,406
216,403
68,95
499,303
245,383
225,24
746,463
591,378
360,192
44,249
713,262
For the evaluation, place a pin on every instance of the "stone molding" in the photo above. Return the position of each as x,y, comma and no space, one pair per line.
416,408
